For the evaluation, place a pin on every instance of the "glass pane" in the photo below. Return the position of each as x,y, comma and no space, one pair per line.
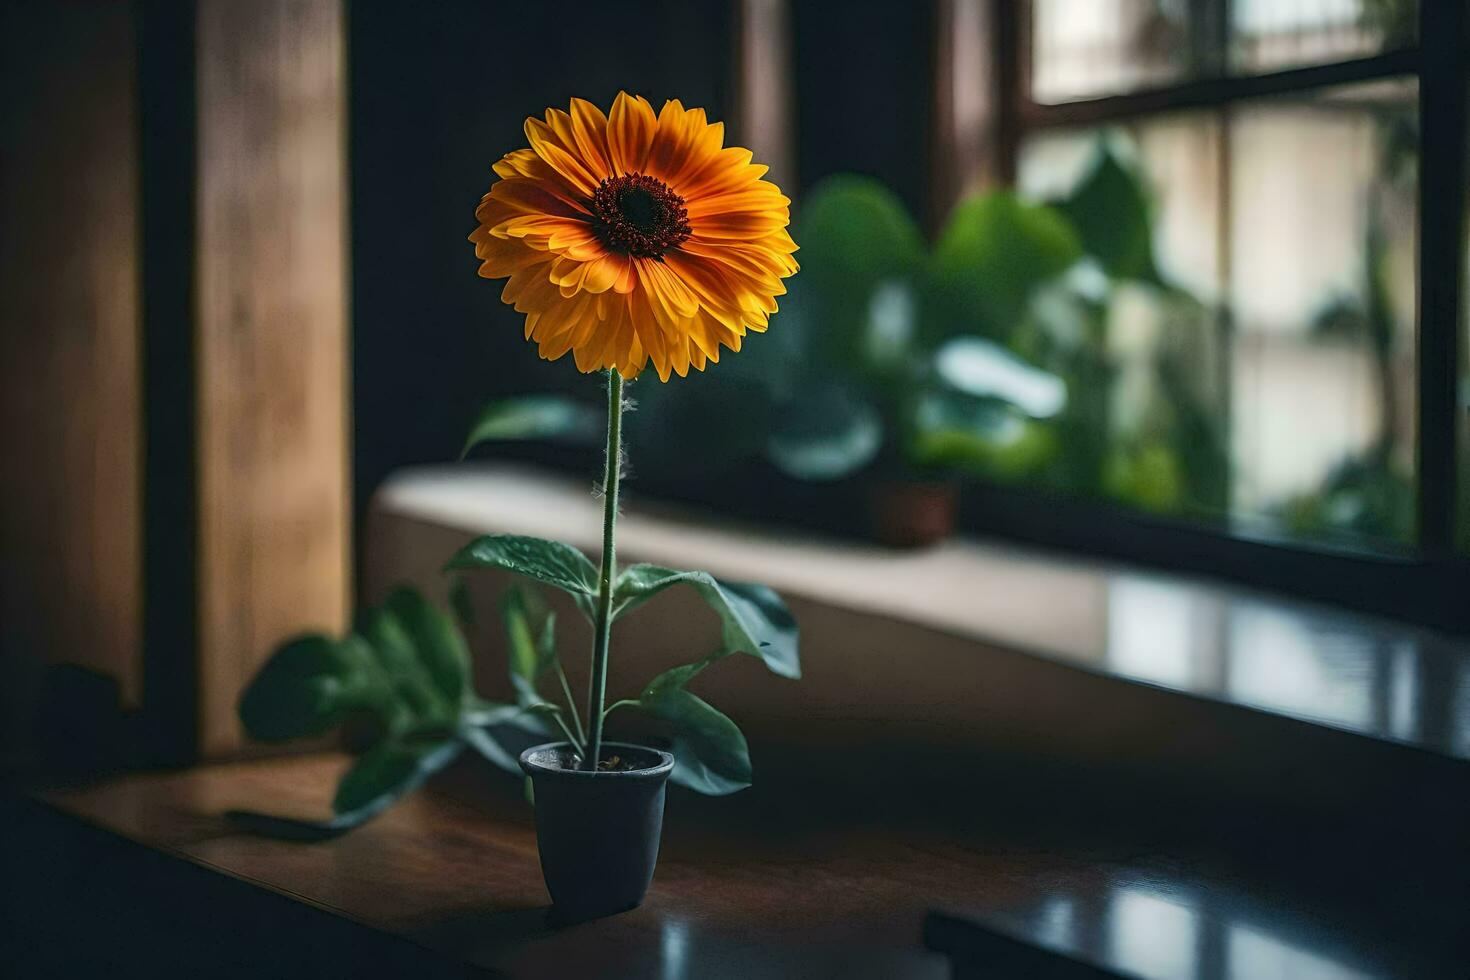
1154,382
1270,382
1322,295
1269,35
1088,48
1180,156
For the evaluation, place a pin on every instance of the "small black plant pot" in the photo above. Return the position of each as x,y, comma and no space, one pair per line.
597,832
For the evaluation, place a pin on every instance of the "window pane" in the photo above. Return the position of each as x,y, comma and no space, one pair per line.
1269,35
1156,380
1288,227
1087,48
1322,294
1180,156
1084,49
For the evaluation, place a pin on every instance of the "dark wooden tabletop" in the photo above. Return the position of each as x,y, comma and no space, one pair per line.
823,882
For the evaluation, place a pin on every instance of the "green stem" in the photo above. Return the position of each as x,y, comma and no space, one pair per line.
602,625
626,702
571,704
577,743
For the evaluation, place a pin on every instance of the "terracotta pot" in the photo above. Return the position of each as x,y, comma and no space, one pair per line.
912,513
597,832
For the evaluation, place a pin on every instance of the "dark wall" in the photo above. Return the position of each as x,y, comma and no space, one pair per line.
439,92
863,72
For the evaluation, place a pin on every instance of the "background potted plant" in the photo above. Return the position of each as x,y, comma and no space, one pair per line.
629,239
882,373
992,355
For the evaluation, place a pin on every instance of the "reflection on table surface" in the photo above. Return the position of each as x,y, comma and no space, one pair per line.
1382,680
1144,924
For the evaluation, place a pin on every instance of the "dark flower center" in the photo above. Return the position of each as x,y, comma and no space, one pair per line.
639,215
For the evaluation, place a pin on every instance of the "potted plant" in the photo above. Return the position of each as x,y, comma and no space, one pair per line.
994,353
902,365
628,239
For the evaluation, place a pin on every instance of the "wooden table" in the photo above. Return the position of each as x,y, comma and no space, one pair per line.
142,875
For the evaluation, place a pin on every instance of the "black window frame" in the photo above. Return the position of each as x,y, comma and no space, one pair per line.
1431,583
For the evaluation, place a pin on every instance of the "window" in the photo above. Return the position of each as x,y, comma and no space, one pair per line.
1290,221
1286,148
1084,49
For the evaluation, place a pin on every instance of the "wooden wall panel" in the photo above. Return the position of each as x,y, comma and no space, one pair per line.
69,352
973,141
271,339
763,102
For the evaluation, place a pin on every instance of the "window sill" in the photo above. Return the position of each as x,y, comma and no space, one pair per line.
1286,659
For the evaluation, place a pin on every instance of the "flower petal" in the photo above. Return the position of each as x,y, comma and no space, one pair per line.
502,256
630,129
669,289
589,130
612,310
557,156
761,196
676,142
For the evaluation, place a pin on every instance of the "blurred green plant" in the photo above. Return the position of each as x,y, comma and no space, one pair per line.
1368,494
909,341
1396,22
400,683
991,354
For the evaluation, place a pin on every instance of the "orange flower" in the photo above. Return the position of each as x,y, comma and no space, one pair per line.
632,236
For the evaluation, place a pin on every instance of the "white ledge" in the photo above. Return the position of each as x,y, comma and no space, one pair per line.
1378,679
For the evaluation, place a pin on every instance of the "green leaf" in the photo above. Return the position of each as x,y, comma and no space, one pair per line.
460,602
1110,210
309,686
535,417
1201,438
826,434
854,234
994,253
407,670
389,770
710,752
413,685
983,369
551,562
501,732
753,618
494,752
986,436
489,714
1147,476
437,642
378,778
889,330
530,630
297,828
